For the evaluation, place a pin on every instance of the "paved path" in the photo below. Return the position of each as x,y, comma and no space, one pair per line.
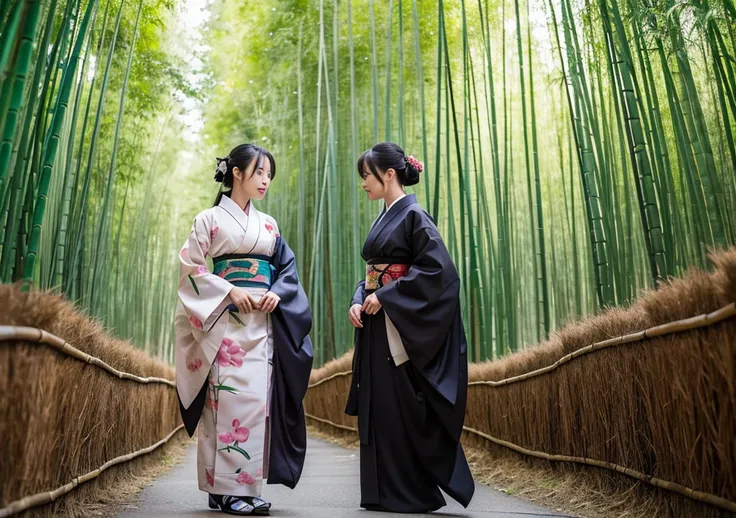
329,487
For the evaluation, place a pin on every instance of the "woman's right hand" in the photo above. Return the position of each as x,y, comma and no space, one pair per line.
354,315
243,300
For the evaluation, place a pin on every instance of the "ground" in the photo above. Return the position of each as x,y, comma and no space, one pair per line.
330,487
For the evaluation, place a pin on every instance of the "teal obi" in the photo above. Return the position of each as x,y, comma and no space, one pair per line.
245,271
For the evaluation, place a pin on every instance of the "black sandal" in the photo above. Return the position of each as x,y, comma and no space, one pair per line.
262,507
231,505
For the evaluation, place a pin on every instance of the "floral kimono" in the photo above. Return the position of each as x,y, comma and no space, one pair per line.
241,378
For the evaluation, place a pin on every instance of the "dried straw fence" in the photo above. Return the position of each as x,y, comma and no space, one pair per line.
68,413
644,394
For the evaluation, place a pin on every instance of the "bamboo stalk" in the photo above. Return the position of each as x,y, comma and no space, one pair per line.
49,152
33,334
22,66
7,38
46,497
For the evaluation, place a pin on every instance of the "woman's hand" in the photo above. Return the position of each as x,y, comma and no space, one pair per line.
354,315
371,304
243,300
269,302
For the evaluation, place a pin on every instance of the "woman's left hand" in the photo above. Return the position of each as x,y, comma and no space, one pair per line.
269,302
371,304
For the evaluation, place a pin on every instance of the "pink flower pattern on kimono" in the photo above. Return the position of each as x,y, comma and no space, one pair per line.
239,434
245,478
226,438
184,254
213,233
194,365
233,439
210,474
271,230
210,402
202,270
259,472
230,353
196,323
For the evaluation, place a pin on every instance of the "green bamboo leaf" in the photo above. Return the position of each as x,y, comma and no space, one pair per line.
194,284
226,388
237,449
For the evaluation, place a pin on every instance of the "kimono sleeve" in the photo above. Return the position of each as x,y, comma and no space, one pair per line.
422,304
292,364
293,300
359,295
201,292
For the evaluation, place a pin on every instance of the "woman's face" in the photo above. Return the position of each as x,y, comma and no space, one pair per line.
373,186
255,180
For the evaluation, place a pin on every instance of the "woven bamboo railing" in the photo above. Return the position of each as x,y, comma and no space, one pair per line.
33,335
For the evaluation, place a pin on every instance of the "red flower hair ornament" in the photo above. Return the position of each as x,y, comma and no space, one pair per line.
416,164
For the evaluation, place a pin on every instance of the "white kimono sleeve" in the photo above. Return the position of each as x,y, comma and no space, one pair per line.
203,297
200,291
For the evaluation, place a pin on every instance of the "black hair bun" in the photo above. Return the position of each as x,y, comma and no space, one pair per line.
412,176
413,168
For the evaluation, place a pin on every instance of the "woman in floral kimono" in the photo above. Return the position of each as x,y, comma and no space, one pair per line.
410,369
243,353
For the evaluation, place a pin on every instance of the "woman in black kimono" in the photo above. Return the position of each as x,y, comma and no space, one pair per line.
410,369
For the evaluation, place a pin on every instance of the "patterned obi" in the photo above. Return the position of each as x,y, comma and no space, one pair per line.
245,271
379,274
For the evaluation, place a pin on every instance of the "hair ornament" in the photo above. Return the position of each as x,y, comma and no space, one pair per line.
416,164
221,169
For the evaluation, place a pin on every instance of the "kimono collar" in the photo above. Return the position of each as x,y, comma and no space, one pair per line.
401,202
395,201
235,211
389,214
386,209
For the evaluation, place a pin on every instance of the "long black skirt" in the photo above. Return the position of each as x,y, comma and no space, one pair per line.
405,451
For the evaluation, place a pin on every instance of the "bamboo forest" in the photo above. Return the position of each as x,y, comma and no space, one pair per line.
575,152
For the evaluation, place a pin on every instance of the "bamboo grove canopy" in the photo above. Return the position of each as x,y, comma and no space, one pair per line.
575,151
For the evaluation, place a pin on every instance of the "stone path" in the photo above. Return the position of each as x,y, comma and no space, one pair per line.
329,487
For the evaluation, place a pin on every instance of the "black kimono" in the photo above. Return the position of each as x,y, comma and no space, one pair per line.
410,416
